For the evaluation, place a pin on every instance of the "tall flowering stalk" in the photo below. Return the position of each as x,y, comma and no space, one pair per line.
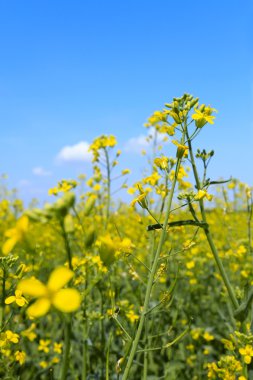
100,150
178,111
202,116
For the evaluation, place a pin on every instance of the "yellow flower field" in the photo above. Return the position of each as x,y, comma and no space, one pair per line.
157,288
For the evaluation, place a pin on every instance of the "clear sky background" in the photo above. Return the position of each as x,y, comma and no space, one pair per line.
73,70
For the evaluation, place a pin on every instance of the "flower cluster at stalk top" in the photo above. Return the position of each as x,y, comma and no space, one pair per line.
51,294
63,187
101,142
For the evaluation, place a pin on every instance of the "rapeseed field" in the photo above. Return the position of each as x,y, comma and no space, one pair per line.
157,288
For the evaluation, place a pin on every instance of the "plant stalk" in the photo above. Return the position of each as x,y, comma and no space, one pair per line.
151,278
214,251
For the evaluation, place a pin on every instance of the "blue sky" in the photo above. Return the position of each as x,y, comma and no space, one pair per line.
72,70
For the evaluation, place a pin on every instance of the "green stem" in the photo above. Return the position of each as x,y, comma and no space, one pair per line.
108,174
249,220
102,335
215,253
2,311
67,245
151,278
65,364
67,333
145,359
177,339
128,337
152,215
107,374
85,330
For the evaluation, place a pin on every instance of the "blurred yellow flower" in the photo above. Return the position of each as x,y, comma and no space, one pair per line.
182,150
161,162
20,357
125,171
201,194
43,345
15,234
65,300
208,337
29,333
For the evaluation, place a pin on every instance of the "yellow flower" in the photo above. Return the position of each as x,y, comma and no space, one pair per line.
43,364
125,171
43,345
15,234
161,162
201,194
63,187
208,337
53,191
65,300
29,333
203,115
141,199
151,180
18,298
212,370
247,353
132,316
20,357
97,187
11,336
101,142
157,117
195,333
55,360
57,348
190,264
182,150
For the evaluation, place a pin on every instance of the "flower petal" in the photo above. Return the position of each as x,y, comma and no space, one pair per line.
39,308
10,300
67,300
22,223
21,301
11,232
18,293
58,278
32,287
9,245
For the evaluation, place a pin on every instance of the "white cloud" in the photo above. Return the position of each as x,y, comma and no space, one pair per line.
39,171
137,144
75,153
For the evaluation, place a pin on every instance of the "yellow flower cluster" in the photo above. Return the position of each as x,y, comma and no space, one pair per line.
101,143
63,187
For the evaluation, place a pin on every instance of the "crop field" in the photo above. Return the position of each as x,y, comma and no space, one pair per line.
159,287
